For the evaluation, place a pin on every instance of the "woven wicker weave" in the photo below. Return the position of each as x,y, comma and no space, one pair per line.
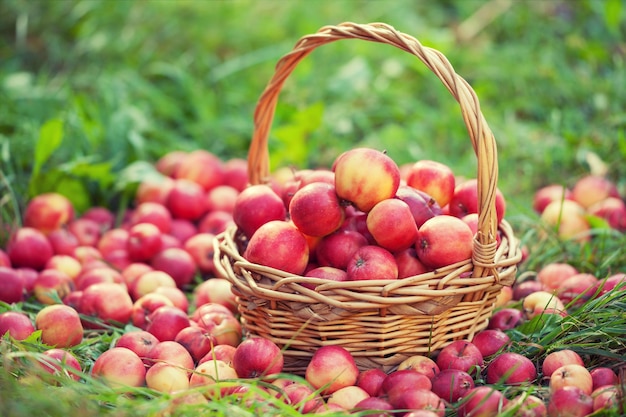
382,322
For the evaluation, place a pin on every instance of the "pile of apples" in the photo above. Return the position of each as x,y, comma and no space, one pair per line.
569,210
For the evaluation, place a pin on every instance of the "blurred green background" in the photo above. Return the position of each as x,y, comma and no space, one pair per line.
90,90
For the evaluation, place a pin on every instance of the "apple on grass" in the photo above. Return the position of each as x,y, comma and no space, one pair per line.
120,367
60,326
434,178
444,240
316,210
452,384
511,368
371,262
391,225
365,176
17,324
28,247
11,285
462,355
570,401
256,206
48,211
331,367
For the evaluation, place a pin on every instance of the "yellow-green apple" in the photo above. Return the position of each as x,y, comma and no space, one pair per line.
391,225
422,205
568,219
591,189
120,367
577,289
536,303
279,244
570,401
558,358
511,368
452,384
490,341
553,274
400,381
153,213
258,357
420,399
372,262
144,306
101,215
527,405
183,229
602,376
316,210
374,407
347,397
156,189
236,173
433,178
462,355
87,231
148,282
52,285
203,168
505,319
97,275
465,200
177,296
606,397
483,400
444,240
65,263
215,290
139,341
11,285
301,396
611,209
365,176
422,364
172,353
220,352
196,340
176,262
144,242
63,241
215,222
108,302
221,197
209,377
571,375
186,200
169,163
371,380
166,322
200,247
28,247
337,249
60,326
549,193
167,378
409,264
331,367
223,325
255,206
48,211
17,324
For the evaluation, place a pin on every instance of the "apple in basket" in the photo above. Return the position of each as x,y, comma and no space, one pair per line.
365,176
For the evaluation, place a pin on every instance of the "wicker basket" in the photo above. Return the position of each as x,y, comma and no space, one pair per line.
381,322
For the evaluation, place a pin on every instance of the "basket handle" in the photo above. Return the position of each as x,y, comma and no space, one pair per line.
482,138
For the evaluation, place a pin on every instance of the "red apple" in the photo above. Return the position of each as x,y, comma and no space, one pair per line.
591,189
28,247
316,210
444,240
570,401
17,324
337,249
372,262
176,262
11,285
331,367
482,400
279,244
365,177
549,193
47,212
422,205
452,384
166,322
120,367
511,368
434,178
391,225
258,357
186,200
490,341
152,213
461,355
571,375
203,168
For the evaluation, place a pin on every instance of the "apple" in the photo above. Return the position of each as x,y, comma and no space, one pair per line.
203,168
210,375
527,405
52,285
11,285
186,200
169,163
120,367
17,324
462,355
444,240
409,264
108,302
148,282
28,247
236,173
611,209
570,401
316,210
167,378
220,352
153,213
176,262
200,247
183,229
144,242
331,367
400,381
465,200
420,399
434,178
553,274
139,341
364,177
371,381
571,375
511,368
256,206
60,326
215,222
172,353
166,322
536,303
215,290
591,189
491,341
57,361
482,400
505,319
577,289
347,397
452,384
422,364
48,211
568,219
196,340
372,262
391,225
549,193
156,189
600,376
279,244
337,249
